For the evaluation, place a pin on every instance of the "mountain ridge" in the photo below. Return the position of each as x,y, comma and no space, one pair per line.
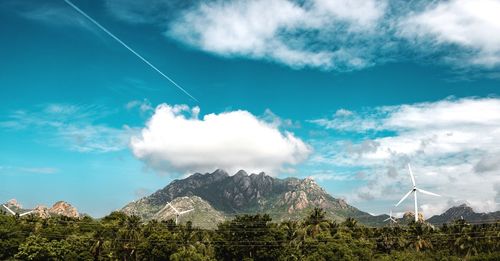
243,193
465,212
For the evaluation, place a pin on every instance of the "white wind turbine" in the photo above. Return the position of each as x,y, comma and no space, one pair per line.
414,191
14,213
177,213
391,218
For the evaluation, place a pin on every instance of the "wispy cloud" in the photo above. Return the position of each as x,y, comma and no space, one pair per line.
52,14
143,106
70,126
295,34
452,144
339,35
466,24
34,170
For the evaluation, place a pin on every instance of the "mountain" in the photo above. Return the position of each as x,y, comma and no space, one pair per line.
61,208
465,212
226,196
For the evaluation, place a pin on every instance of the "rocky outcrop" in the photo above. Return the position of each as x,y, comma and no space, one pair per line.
64,209
41,211
410,216
13,204
59,208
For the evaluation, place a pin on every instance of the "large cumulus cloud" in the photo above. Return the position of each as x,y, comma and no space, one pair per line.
175,139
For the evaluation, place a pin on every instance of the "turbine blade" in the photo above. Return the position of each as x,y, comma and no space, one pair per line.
176,211
10,210
166,205
411,175
405,196
428,192
184,212
26,213
387,219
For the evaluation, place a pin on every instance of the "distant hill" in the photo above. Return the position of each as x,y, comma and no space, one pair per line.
226,196
465,212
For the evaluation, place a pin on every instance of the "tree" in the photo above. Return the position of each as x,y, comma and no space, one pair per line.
248,236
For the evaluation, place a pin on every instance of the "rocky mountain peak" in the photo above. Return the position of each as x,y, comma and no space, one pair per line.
41,211
65,209
13,204
463,207
220,173
463,211
241,173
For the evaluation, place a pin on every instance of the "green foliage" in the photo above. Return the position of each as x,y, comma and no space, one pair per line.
248,237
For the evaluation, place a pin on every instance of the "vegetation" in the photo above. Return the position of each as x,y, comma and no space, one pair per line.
249,237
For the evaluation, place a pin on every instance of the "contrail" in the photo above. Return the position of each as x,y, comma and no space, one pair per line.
128,47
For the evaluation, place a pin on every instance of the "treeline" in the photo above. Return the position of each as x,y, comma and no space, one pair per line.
121,237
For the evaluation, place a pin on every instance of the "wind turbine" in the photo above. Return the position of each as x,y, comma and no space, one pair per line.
414,190
177,212
14,213
391,218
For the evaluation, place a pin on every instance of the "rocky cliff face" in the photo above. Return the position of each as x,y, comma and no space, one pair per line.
64,209
41,211
242,193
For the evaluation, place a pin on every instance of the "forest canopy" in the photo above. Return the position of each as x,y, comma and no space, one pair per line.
247,237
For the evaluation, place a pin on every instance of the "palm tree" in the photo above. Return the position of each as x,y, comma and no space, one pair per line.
98,238
419,232
130,233
316,222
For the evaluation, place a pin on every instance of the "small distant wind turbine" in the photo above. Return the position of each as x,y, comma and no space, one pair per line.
391,218
177,212
414,191
14,213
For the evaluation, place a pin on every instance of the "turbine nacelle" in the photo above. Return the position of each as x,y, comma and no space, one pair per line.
177,212
414,190
391,218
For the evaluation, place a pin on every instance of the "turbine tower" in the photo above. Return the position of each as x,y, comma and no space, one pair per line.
391,218
177,212
14,213
414,190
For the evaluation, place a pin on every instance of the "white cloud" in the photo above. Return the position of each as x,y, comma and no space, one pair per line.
452,144
343,112
284,31
143,106
71,126
470,24
339,35
329,175
175,139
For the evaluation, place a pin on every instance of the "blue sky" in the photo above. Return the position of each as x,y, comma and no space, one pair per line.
347,93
